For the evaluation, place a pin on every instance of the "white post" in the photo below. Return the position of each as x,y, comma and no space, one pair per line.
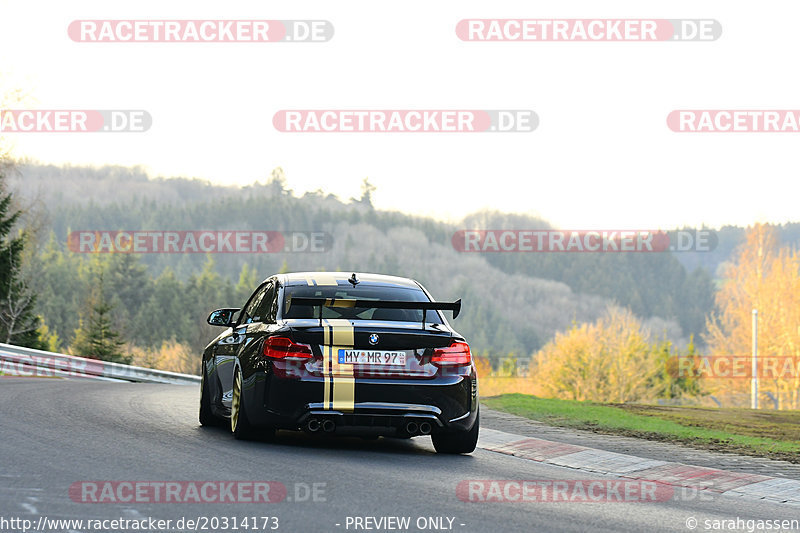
754,369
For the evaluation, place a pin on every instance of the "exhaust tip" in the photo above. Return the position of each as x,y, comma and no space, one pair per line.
412,428
313,425
328,426
425,428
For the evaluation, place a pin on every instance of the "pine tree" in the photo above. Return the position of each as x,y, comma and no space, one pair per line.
248,280
96,337
129,287
367,189
18,322
163,317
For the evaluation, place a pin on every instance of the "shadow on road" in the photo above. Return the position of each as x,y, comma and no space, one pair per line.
420,446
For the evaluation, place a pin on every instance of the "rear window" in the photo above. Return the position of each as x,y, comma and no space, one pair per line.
359,292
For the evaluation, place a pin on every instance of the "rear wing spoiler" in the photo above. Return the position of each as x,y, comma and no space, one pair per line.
455,307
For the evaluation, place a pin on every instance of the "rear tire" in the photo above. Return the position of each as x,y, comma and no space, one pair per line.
458,442
207,417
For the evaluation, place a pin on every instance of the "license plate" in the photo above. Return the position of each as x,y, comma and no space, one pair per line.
371,357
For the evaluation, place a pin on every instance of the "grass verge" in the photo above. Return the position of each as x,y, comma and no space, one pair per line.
772,434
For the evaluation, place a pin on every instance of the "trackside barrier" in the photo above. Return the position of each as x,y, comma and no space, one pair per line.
19,361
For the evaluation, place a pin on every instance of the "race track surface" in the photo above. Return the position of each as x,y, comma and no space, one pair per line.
57,433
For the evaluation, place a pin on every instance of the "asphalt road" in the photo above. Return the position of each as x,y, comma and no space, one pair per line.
55,433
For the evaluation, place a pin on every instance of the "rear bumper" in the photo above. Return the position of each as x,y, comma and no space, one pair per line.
380,406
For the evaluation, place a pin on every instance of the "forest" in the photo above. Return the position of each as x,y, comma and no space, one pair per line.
156,303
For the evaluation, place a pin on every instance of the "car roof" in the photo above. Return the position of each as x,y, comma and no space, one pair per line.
328,278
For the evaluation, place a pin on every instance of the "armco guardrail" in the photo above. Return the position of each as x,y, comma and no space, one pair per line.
19,361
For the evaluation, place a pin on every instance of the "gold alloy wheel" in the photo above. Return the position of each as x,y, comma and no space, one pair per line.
235,402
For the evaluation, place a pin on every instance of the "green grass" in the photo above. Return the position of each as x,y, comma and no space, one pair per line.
22,376
774,434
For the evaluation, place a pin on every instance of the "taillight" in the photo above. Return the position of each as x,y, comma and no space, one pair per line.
285,348
457,354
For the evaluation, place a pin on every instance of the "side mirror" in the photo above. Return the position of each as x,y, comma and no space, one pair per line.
223,317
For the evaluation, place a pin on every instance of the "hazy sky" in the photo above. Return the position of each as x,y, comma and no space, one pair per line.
601,157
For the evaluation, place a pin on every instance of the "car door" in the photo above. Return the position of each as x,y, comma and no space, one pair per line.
229,345
259,323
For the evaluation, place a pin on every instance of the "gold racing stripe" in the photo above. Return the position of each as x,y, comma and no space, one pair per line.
326,371
325,279
339,302
322,279
340,382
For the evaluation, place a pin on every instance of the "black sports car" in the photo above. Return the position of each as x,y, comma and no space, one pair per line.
322,352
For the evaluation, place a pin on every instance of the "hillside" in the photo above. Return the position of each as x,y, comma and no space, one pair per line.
513,303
